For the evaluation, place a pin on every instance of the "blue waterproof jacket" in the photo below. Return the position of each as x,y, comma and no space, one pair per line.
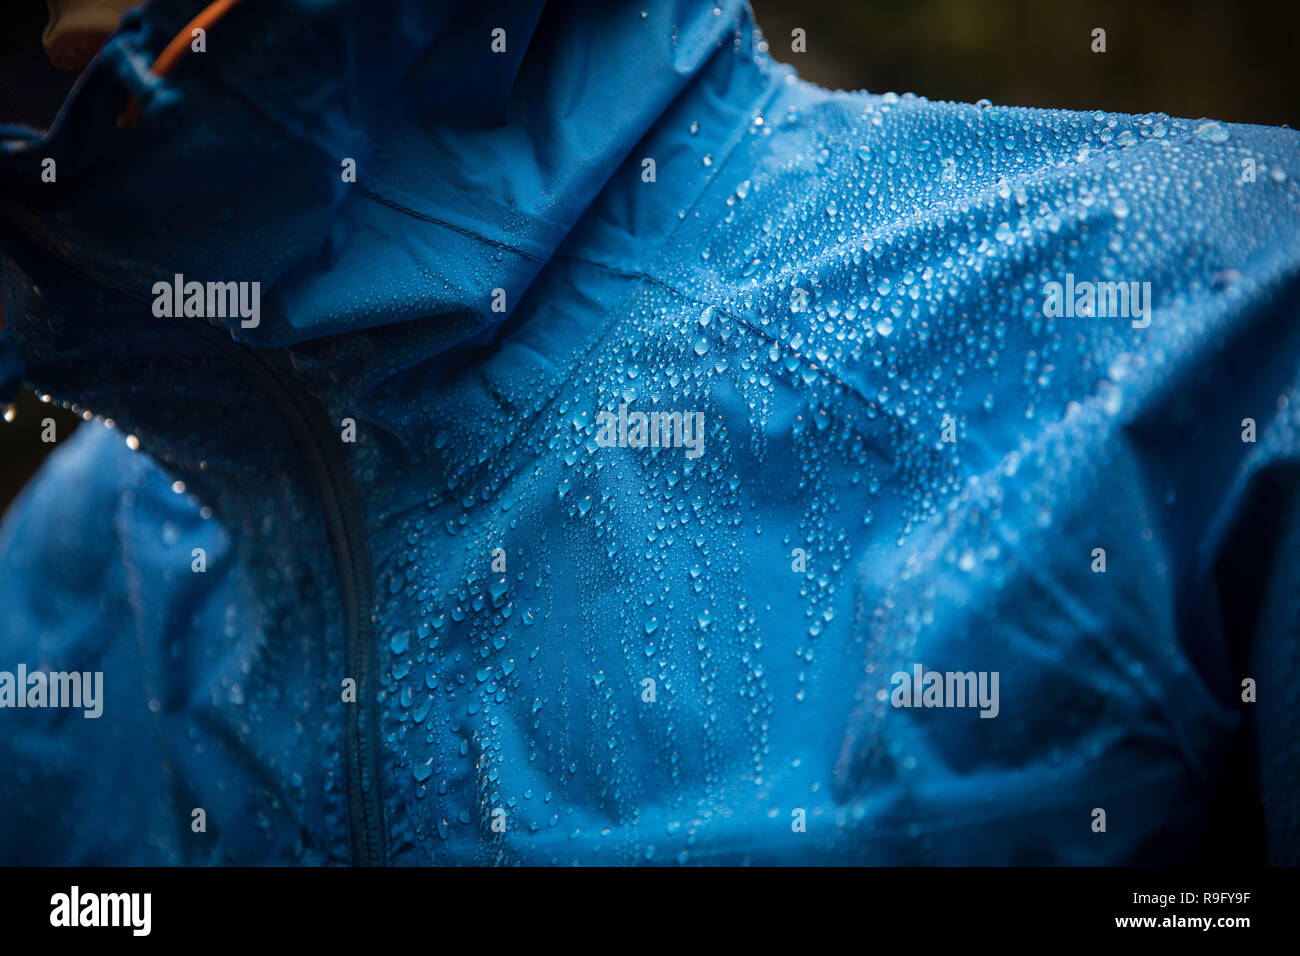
392,579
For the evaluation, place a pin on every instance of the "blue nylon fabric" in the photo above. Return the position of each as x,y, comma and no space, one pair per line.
827,277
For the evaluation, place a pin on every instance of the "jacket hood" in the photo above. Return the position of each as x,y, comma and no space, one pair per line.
478,138
473,165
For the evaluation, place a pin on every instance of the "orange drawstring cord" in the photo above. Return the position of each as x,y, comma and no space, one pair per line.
177,48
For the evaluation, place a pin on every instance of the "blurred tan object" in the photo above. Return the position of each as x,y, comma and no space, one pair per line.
78,28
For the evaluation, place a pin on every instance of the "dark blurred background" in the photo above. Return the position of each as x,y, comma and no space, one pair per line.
1192,58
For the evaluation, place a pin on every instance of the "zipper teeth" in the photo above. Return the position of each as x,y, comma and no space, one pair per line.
338,498
341,507
352,561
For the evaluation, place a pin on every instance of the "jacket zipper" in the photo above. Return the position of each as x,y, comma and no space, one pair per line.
341,507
